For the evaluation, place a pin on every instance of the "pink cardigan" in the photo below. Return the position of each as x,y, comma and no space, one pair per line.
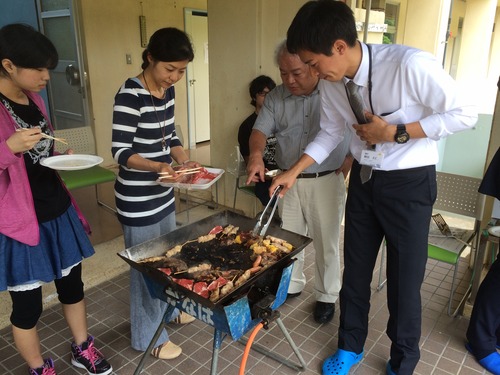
17,211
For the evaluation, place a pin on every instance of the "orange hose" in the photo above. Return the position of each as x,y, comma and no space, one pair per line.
248,347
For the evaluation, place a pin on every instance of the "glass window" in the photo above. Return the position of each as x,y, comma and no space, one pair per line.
58,29
391,20
48,5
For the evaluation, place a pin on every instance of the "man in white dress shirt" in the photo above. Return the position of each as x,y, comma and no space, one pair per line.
410,102
315,205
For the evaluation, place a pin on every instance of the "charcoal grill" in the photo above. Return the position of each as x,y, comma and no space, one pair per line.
255,301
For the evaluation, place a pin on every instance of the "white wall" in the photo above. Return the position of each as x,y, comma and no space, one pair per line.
243,36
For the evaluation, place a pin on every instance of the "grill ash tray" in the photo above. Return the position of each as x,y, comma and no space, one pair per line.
231,313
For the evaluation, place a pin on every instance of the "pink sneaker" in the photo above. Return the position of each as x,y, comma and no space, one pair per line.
88,357
46,369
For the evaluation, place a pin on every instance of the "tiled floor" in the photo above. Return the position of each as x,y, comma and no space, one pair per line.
442,342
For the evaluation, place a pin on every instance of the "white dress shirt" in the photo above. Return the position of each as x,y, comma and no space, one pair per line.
408,85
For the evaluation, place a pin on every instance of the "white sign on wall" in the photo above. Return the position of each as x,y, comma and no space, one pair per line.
372,27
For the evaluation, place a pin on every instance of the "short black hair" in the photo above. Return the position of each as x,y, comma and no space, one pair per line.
168,45
318,24
26,48
258,85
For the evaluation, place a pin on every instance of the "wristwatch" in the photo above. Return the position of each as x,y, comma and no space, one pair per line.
401,135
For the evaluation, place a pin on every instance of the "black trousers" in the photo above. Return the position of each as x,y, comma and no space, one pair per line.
483,333
396,205
262,191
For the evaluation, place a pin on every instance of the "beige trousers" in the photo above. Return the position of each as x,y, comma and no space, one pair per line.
314,207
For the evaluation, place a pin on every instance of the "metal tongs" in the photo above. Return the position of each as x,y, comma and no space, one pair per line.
274,199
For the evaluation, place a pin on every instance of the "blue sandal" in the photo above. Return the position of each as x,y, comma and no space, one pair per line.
491,362
341,362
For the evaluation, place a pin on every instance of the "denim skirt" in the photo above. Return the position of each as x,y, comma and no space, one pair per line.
63,245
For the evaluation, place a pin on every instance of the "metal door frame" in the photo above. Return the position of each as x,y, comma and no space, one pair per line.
74,15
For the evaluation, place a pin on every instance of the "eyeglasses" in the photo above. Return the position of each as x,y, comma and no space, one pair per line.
263,93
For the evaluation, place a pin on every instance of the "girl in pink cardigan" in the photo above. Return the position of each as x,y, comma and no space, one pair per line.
42,238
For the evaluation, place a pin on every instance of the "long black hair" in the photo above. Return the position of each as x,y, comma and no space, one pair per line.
168,44
26,48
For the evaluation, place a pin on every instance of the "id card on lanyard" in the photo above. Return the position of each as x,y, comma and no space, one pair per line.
372,158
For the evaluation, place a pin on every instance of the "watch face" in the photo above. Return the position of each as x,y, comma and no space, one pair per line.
402,137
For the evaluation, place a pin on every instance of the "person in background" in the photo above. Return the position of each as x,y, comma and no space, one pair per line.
144,144
42,231
483,333
398,102
259,88
315,205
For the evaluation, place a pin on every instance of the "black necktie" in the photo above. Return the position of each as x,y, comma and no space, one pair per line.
356,103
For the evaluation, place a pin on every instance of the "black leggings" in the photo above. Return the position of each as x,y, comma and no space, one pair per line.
27,306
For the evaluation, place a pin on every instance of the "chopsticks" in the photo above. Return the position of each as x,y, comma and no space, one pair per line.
181,172
62,140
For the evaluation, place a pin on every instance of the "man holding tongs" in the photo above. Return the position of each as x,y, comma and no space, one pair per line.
314,206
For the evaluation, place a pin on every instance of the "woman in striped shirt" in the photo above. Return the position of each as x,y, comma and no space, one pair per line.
144,144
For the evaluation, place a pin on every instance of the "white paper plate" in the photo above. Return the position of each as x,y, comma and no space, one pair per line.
71,162
200,186
494,231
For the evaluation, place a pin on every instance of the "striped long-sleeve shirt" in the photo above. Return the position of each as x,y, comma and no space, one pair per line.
140,123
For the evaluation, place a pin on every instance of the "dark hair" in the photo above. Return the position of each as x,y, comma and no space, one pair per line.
168,44
258,85
26,48
318,24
